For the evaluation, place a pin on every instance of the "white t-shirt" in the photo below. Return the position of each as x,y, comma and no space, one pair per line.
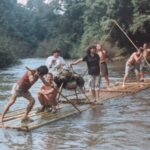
54,64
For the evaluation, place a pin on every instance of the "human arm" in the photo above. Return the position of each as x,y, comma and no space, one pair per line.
29,69
31,74
77,61
137,58
47,90
107,56
148,50
41,77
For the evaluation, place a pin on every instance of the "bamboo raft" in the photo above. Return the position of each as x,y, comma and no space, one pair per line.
12,119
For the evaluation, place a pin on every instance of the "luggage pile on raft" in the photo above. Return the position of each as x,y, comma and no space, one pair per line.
69,79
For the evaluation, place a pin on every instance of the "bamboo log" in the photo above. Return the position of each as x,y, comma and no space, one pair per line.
136,83
42,120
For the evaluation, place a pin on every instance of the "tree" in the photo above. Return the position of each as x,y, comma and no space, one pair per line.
141,21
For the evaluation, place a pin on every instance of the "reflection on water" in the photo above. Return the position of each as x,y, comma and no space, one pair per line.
119,124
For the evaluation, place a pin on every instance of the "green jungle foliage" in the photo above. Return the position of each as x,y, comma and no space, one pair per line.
36,29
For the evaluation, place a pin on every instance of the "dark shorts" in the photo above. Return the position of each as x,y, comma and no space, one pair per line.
103,69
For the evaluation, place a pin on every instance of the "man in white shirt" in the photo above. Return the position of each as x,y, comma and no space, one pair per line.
55,62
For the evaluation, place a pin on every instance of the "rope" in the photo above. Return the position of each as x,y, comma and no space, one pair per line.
107,35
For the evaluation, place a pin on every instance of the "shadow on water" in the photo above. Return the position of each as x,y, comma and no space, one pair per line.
118,124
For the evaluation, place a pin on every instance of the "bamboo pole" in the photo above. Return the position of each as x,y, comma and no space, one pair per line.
116,23
103,41
70,102
60,94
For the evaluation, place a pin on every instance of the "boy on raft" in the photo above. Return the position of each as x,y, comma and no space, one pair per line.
47,95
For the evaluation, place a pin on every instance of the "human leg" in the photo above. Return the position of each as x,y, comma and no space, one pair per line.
137,71
41,99
142,68
124,80
42,102
92,86
8,105
52,102
31,100
104,73
138,75
107,81
128,68
97,86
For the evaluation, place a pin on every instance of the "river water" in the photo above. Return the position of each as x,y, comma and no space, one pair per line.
118,124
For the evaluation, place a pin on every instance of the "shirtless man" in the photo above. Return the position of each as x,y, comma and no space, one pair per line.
21,89
145,61
133,63
103,65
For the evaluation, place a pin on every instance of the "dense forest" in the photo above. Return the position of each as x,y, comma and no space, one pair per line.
35,29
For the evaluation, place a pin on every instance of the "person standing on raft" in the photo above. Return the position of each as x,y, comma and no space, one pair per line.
103,65
21,89
133,63
93,63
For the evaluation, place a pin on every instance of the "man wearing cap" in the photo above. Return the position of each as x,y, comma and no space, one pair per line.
55,62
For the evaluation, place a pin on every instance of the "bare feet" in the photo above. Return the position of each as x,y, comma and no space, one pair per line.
123,85
142,80
26,120
140,85
108,88
93,102
40,109
54,111
48,109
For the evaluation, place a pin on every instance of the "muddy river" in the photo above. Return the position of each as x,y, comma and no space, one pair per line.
118,124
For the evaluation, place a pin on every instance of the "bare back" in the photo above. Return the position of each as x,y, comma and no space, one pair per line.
28,79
